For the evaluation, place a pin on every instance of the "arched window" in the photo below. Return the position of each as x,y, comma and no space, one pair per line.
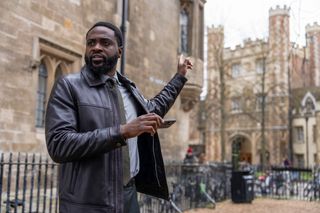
309,104
55,60
58,72
184,22
41,95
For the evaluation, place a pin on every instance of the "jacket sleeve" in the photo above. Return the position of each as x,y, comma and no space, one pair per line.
163,101
64,142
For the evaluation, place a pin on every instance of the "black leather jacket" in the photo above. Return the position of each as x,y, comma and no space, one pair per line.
83,135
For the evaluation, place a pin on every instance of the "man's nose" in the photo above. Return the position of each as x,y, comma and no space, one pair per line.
97,46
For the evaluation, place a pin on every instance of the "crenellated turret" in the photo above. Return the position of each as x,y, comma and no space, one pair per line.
315,27
279,11
213,29
279,45
215,45
313,43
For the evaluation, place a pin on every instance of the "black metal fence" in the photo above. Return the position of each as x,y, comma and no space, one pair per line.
288,183
191,186
28,183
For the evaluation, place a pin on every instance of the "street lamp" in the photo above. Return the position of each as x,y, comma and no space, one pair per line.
307,139
308,112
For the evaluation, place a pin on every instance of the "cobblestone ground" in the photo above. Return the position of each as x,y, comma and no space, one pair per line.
260,205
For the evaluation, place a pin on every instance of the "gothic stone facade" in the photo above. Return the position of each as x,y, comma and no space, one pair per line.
253,80
41,40
305,126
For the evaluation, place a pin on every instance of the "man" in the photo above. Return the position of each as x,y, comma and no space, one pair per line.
95,119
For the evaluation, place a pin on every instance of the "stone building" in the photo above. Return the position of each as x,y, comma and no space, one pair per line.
41,40
306,118
250,91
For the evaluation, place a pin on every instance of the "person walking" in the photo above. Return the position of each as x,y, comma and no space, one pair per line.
103,132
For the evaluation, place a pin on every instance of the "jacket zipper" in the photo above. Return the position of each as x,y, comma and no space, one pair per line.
155,161
137,97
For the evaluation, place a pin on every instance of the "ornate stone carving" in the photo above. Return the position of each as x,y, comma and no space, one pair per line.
190,95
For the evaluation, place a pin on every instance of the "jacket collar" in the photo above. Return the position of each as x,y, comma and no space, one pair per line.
91,78
96,80
124,80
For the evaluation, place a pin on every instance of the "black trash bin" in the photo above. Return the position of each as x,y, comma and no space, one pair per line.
242,187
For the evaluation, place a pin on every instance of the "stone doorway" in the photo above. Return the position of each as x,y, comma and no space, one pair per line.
241,151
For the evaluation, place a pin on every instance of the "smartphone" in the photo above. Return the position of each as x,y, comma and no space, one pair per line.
167,123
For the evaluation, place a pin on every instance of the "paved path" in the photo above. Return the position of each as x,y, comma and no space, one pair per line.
260,205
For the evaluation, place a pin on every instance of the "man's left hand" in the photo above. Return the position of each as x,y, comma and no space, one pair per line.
184,64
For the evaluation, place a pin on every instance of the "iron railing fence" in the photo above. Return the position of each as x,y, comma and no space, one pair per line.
28,183
191,186
288,183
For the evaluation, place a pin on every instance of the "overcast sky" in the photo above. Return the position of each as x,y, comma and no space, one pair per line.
249,18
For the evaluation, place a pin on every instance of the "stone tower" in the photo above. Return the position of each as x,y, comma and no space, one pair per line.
277,85
214,63
279,44
215,52
313,48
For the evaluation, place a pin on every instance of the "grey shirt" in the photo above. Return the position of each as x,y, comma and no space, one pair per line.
131,114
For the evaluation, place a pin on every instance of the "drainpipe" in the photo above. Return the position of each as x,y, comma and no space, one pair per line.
124,30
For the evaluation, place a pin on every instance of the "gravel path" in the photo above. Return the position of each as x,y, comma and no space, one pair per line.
260,205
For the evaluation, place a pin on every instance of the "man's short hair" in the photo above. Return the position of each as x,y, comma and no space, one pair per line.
116,30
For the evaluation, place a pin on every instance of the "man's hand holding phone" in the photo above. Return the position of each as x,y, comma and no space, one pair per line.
167,123
148,123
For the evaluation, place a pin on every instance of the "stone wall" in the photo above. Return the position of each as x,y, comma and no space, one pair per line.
152,52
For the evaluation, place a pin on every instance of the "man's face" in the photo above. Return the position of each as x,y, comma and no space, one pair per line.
102,51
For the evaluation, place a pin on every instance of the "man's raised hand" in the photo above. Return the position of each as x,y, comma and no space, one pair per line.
184,64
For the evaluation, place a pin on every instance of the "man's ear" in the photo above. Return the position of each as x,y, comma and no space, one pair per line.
119,52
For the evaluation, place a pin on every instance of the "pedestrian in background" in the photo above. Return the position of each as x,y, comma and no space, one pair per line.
286,162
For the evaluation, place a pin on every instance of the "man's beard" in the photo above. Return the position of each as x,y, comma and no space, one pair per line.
107,65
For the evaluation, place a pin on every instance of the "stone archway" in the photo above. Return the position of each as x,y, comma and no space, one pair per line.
241,150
